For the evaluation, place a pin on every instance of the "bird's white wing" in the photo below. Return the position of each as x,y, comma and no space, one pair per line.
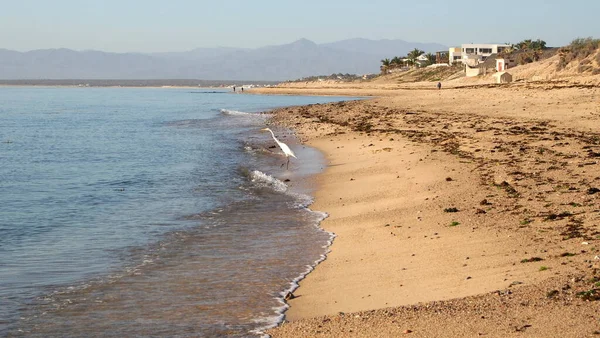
286,149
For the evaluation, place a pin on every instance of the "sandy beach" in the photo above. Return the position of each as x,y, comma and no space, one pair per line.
459,212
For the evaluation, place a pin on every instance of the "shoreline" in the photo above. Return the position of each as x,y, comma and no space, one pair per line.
301,186
368,158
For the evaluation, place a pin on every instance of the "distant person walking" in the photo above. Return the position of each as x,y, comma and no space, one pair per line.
439,85
234,89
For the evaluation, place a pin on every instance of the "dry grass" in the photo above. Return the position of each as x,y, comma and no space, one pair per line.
426,74
580,50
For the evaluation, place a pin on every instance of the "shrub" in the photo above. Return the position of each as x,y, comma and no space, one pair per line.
579,49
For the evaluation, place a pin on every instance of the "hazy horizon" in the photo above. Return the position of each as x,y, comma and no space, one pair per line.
155,26
224,47
275,63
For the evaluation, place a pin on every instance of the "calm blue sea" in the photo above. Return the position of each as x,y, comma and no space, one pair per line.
149,212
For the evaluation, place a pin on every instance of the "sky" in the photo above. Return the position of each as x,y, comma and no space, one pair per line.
181,25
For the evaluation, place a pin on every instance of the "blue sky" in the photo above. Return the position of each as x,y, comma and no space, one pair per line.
179,25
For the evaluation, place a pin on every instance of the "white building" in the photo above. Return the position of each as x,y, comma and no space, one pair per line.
475,53
454,55
422,60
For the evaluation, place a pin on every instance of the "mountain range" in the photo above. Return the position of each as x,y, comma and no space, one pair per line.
272,63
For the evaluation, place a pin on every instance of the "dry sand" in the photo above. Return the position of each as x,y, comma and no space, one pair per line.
438,199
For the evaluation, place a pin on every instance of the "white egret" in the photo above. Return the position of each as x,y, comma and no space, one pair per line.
286,150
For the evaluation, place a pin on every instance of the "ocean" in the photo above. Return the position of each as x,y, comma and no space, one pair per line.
150,212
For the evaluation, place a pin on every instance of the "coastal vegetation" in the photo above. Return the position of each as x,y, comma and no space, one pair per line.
584,50
411,59
526,51
339,77
429,74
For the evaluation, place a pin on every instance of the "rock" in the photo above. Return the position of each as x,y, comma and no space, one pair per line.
592,191
522,328
407,331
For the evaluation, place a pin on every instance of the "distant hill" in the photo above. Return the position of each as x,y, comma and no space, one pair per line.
272,63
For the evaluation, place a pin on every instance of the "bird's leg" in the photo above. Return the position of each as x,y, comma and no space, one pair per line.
287,166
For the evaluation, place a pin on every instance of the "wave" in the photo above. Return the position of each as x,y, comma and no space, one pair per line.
272,322
263,180
301,201
235,112
258,150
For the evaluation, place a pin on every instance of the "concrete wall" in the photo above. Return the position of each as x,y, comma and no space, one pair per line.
472,72
503,77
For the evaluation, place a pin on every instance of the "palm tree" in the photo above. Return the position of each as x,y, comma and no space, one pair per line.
525,44
385,66
414,54
396,62
431,58
532,45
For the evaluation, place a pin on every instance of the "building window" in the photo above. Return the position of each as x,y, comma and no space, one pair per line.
457,57
485,50
470,50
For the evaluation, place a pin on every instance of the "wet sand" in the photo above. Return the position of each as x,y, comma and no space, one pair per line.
460,212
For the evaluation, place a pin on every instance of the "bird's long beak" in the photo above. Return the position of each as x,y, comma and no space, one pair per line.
265,129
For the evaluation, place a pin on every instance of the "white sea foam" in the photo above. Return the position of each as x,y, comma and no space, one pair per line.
234,112
272,322
301,201
263,180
